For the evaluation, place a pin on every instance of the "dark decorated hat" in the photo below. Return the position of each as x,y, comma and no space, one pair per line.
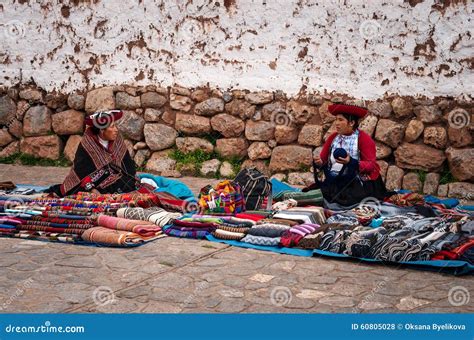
352,110
102,119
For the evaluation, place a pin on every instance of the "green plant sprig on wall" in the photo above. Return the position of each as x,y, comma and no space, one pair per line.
198,157
25,159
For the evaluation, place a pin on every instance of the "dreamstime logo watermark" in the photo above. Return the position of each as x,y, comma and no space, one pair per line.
281,118
459,296
357,50
190,207
14,29
103,296
199,287
370,204
46,328
108,23
459,118
369,29
281,296
103,119
191,27
454,30
18,293
369,297
14,207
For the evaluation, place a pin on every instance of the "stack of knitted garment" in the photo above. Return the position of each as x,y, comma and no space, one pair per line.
222,227
401,238
303,214
236,228
286,227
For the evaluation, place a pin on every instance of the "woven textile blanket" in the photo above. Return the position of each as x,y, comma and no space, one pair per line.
268,230
42,236
50,229
261,240
312,197
187,232
155,215
142,228
242,222
196,225
299,216
228,235
120,238
319,213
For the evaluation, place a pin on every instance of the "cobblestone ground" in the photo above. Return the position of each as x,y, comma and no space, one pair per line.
181,276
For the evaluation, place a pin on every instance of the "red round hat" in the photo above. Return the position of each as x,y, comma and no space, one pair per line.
102,119
352,110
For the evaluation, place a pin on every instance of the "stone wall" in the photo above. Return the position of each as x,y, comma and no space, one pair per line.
416,138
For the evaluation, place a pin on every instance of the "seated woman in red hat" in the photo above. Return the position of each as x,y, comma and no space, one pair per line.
348,159
102,162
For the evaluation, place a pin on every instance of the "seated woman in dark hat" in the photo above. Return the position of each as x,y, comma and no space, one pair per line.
102,162
348,160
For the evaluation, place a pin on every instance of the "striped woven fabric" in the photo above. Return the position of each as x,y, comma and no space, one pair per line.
50,229
155,215
58,225
299,216
109,237
344,218
233,230
268,230
311,241
261,240
278,221
195,225
228,235
44,236
319,213
179,232
312,197
142,228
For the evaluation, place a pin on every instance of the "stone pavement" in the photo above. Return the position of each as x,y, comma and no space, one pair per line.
182,276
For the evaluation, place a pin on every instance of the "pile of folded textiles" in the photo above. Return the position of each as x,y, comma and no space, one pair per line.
100,229
79,204
116,231
47,228
362,232
88,218
312,197
287,228
404,238
403,229
227,227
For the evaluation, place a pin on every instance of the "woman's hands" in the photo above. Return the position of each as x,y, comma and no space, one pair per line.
343,160
317,160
